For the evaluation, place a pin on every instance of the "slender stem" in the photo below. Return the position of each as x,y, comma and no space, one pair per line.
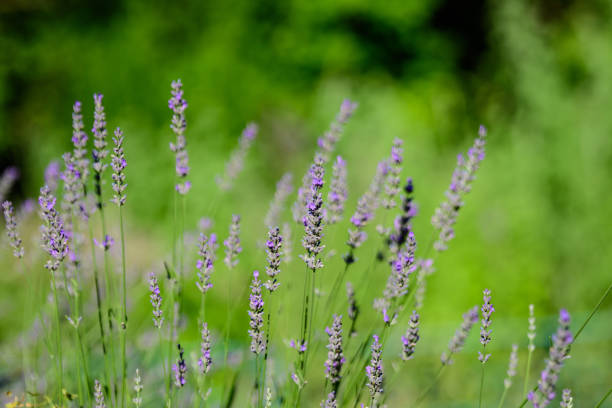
503,397
605,397
58,340
421,397
124,316
482,376
527,371
85,365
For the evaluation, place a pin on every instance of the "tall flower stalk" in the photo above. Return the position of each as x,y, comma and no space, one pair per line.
118,164
487,310
512,363
375,373
531,334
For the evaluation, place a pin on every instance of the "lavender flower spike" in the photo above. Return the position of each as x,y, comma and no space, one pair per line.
235,164
445,216
513,362
411,338
204,265
559,351
283,188
52,175
55,240
11,229
335,357
99,151
273,252
256,311
456,344
118,164
205,360
73,185
178,105
366,205
156,301
392,184
180,368
79,142
566,399
374,371
7,180
232,243
99,395
137,400
337,193
313,221
485,333
531,331
330,402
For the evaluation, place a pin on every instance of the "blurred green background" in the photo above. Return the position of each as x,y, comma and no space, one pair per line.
537,226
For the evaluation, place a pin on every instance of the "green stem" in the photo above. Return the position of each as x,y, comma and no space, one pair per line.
58,341
605,397
527,371
482,376
503,397
421,397
124,316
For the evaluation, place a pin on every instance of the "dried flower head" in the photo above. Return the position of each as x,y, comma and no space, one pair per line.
531,331
137,400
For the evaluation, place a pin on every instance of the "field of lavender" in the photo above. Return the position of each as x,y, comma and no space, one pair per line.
313,215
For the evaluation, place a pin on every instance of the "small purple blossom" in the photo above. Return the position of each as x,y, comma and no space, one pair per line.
401,230
99,152
106,243
156,301
73,184
411,338
178,125
205,360
558,353
445,216
235,164
54,237
232,243
11,229
299,345
330,401
256,311
487,310
374,371
313,221
335,357
118,164
180,368
337,193
207,247
284,187
401,268
99,395
456,344
79,142
273,253
566,399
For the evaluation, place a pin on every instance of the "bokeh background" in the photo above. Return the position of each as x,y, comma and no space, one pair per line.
536,228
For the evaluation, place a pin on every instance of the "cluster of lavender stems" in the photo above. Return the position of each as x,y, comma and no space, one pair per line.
60,241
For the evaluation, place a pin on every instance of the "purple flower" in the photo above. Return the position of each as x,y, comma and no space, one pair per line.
299,345
235,164
273,252
456,344
232,243
54,238
180,368
11,229
156,301
118,163
99,395
445,216
207,246
178,125
402,222
330,402
411,338
79,142
512,363
326,146
106,243
401,268
52,175
353,309
366,205
337,193
205,360
485,333
335,357
99,152
283,188
566,399
313,220
559,351
256,311
73,184
7,180
393,180
374,371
